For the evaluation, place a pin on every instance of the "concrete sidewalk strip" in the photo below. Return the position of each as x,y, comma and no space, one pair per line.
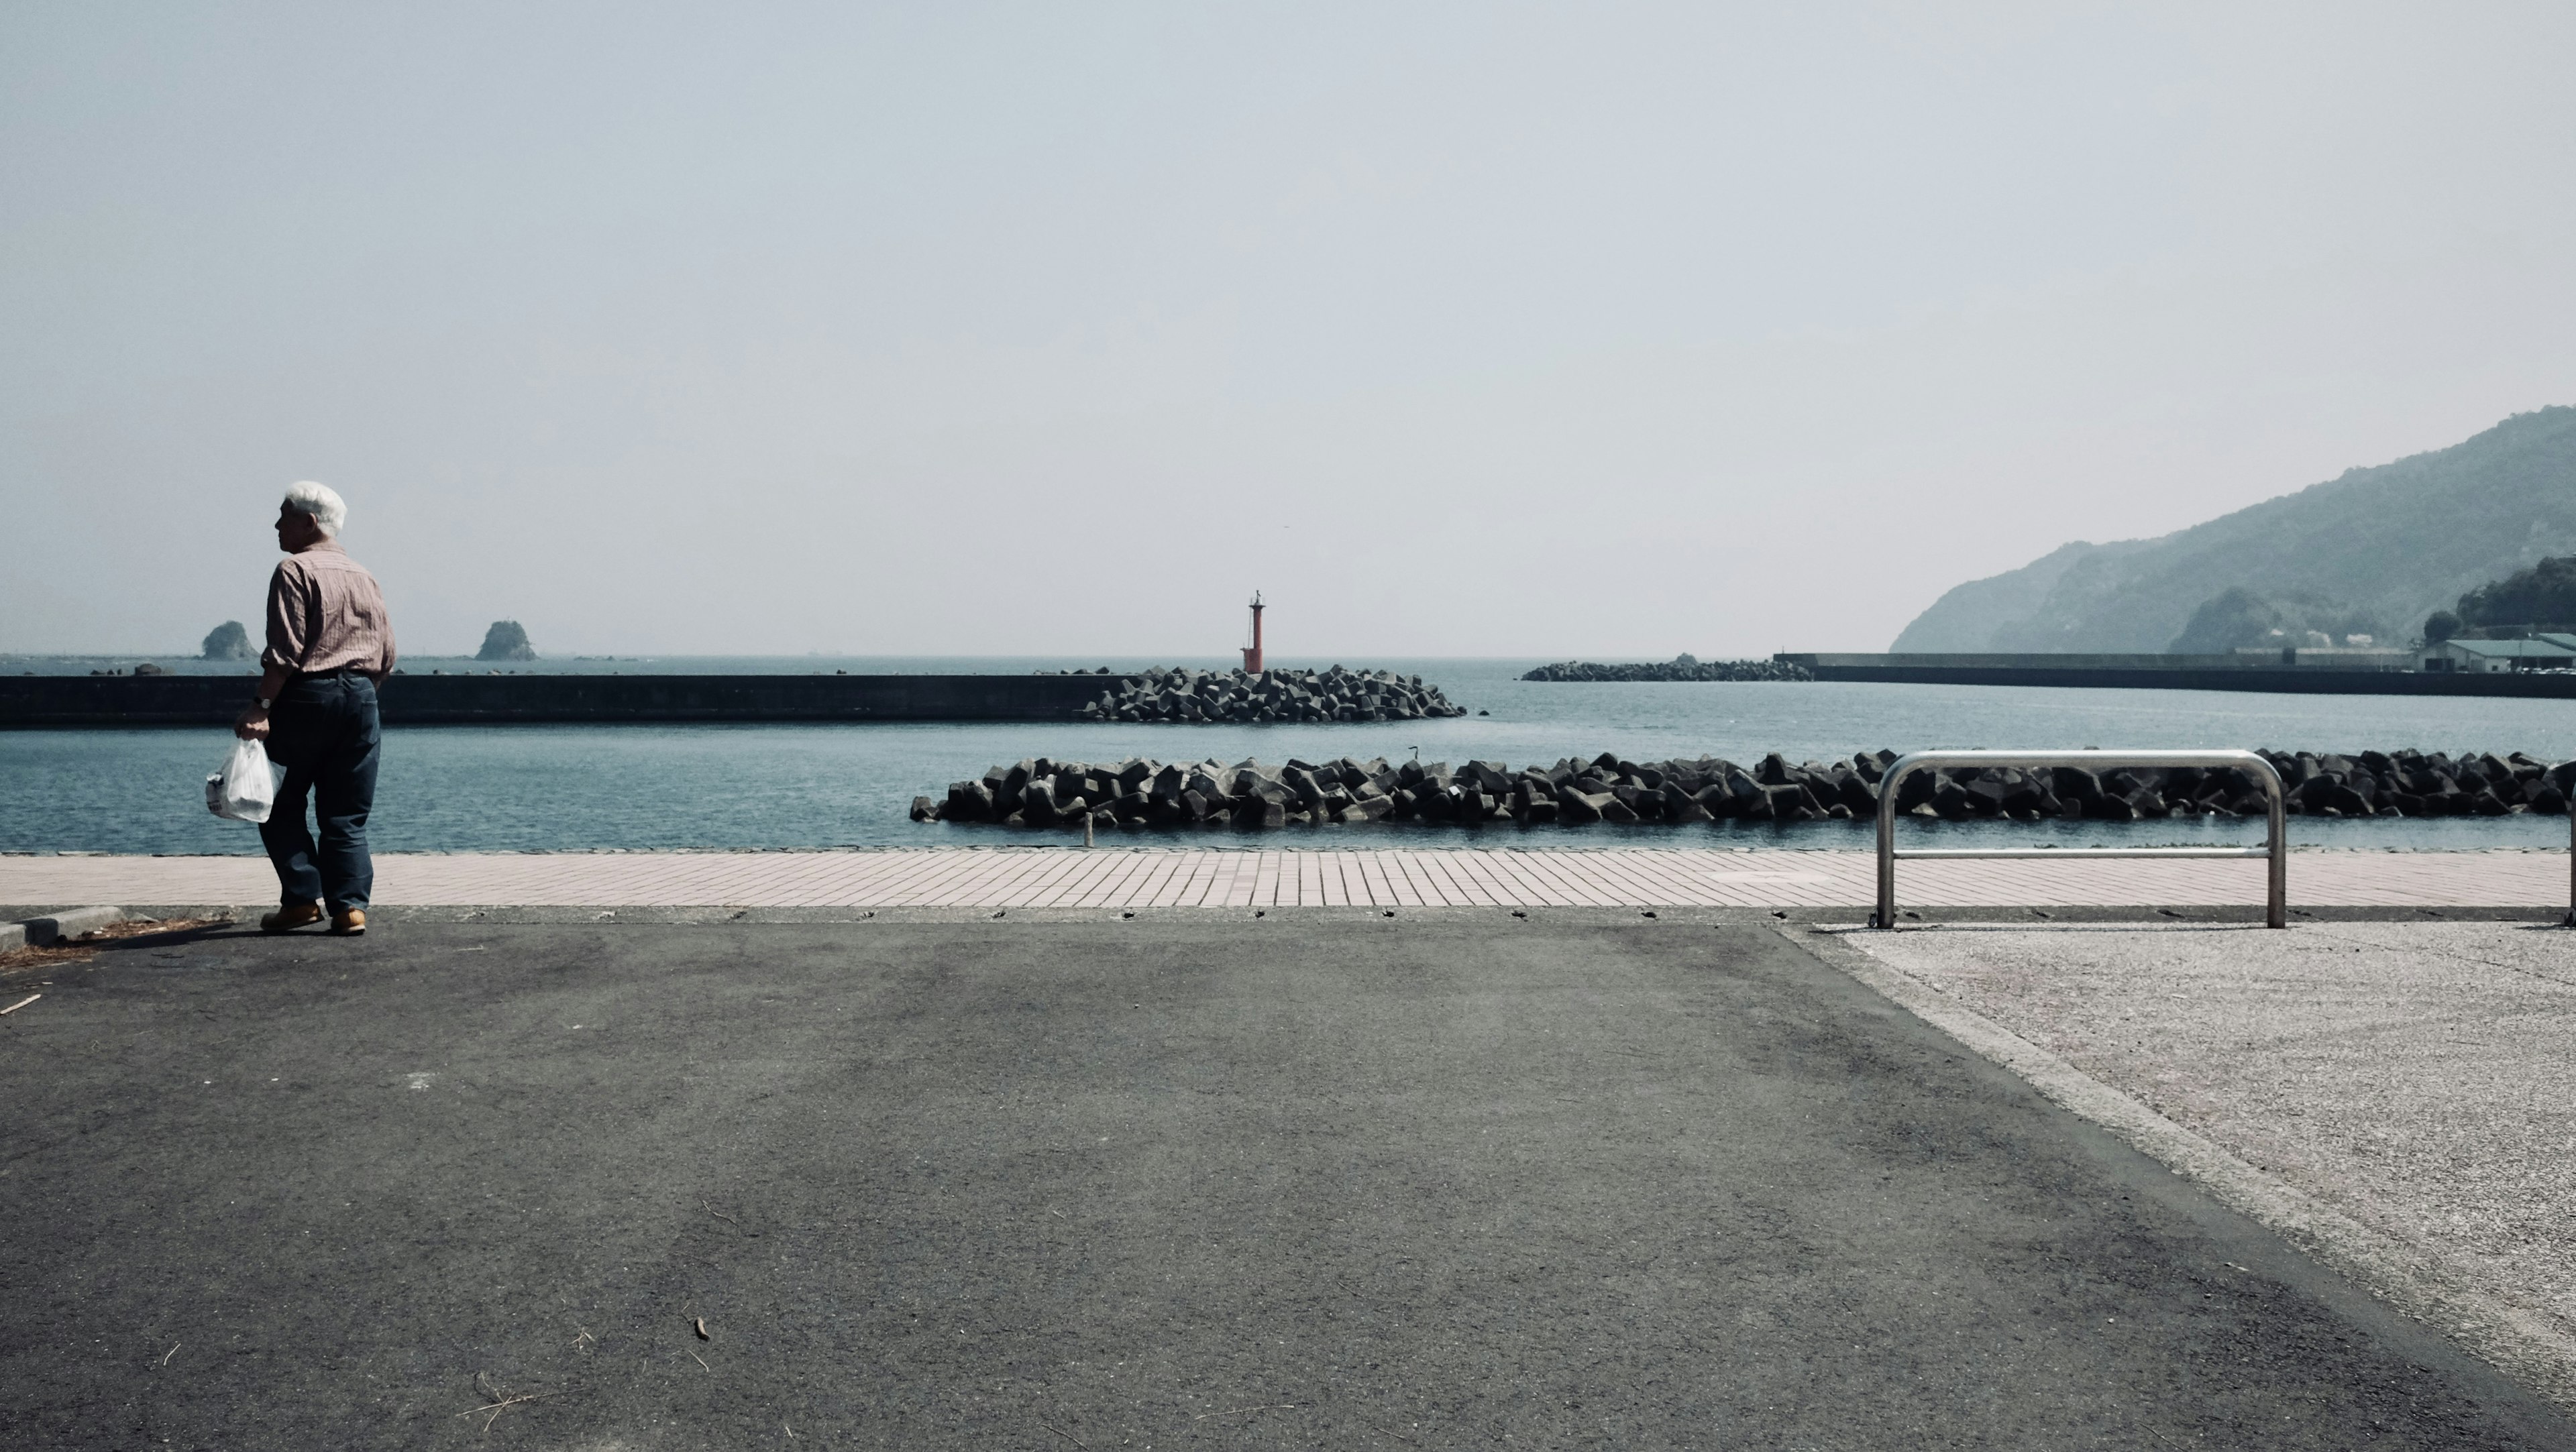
2398,1099
1384,877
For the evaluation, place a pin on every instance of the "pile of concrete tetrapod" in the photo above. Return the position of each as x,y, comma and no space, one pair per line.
1276,695
1141,793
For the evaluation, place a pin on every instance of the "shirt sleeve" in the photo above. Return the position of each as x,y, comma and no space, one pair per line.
290,620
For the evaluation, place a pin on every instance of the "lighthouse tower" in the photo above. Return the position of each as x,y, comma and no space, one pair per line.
1252,652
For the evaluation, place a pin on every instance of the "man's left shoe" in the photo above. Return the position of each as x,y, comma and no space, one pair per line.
349,923
287,919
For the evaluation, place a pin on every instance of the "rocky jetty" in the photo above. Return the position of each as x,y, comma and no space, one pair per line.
1141,793
1679,668
1278,695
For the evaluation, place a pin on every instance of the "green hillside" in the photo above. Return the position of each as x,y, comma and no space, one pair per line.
2386,545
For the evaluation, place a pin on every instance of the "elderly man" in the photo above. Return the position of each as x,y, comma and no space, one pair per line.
329,646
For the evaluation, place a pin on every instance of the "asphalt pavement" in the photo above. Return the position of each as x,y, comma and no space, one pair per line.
1314,1179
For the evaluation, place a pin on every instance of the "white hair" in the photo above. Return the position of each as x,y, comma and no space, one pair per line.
317,500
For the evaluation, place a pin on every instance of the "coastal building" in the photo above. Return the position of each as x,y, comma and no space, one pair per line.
2540,652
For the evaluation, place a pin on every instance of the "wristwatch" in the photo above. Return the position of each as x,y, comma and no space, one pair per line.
262,700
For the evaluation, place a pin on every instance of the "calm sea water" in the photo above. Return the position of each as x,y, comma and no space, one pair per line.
586,787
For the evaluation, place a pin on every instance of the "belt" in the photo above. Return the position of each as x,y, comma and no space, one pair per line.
346,670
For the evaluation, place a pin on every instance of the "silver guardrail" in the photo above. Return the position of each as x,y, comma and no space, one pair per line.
2276,899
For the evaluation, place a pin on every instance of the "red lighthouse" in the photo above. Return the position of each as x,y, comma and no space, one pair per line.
1252,652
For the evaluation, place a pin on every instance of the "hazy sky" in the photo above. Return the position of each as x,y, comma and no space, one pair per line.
1473,329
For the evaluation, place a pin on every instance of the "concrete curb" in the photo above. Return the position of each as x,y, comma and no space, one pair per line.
46,931
2511,1338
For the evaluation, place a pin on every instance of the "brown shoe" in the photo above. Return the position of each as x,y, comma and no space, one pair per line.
288,919
349,923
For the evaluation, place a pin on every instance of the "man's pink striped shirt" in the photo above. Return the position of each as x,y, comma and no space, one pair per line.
325,612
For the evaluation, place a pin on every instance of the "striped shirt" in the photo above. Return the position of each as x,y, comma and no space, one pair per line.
325,612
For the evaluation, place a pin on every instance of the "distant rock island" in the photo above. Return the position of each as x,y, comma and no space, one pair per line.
506,641
2373,553
1684,667
227,641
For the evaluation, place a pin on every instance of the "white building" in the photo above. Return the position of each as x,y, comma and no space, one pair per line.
2537,653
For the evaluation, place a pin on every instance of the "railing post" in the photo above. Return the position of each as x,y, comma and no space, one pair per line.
1896,773
2276,889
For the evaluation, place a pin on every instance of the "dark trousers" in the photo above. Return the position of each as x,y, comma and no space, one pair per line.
323,730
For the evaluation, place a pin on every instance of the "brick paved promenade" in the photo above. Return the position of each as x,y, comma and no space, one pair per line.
1113,877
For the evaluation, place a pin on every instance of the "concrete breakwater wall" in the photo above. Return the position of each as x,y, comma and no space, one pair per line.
421,700
2176,673
1140,793
1679,668
1277,695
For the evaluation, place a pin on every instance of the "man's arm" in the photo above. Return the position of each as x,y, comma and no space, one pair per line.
289,629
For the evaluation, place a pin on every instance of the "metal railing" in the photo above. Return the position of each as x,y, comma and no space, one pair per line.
2276,900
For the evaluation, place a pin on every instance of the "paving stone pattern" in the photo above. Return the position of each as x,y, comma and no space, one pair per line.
1119,877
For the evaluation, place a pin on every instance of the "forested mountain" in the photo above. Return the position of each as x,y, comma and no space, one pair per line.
2540,598
2381,547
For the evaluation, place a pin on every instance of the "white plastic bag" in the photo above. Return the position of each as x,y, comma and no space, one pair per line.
245,789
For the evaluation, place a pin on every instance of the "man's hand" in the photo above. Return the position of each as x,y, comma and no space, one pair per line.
252,723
